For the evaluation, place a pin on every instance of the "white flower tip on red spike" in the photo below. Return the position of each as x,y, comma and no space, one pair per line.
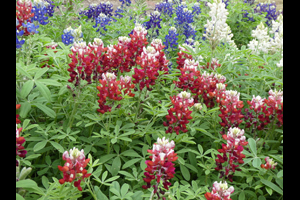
156,42
198,106
109,76
184,95
65,155
124,39
98,41
220,86
162,156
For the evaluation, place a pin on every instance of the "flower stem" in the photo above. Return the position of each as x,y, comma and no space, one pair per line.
90,190
73,113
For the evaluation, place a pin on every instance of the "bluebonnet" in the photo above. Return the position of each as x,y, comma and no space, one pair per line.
189,41
118,12
189,30
106,8
250,2
103,20
226,3
170,67
154,22
246,15
204,38
72,35
31,28
67,37
50,7
125,3
270,9
39,9
165,8
19,43
171,39
196,8
91,12
183,15
94,10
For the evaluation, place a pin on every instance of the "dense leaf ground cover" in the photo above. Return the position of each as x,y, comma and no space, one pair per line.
185,102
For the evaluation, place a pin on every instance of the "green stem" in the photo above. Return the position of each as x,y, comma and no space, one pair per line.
73,113
270,130
138,106
90,190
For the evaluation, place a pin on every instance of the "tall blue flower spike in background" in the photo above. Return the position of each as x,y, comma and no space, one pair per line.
270,9
196,9
19,43
31,28
154,22
103,20
40,11
171,39
165,8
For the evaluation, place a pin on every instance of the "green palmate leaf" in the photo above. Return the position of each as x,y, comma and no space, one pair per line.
272,186
251,193
200,148
143,164
112,179
126,174
114,140
280,174
45,182
279,182
40,73
43,90
32,156
25,123
261,198
269,190
38,146
124,189
58,147
105,158
48,111
242,196
25,108
22,71
252,145
50,82
185,172
99,194
130,153
130,162
27,87
104,175
27,183
19,197
116,165
256,162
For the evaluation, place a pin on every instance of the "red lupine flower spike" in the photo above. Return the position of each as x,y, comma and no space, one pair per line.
269,164
180,114
220,191
73,168
160,167
231,152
